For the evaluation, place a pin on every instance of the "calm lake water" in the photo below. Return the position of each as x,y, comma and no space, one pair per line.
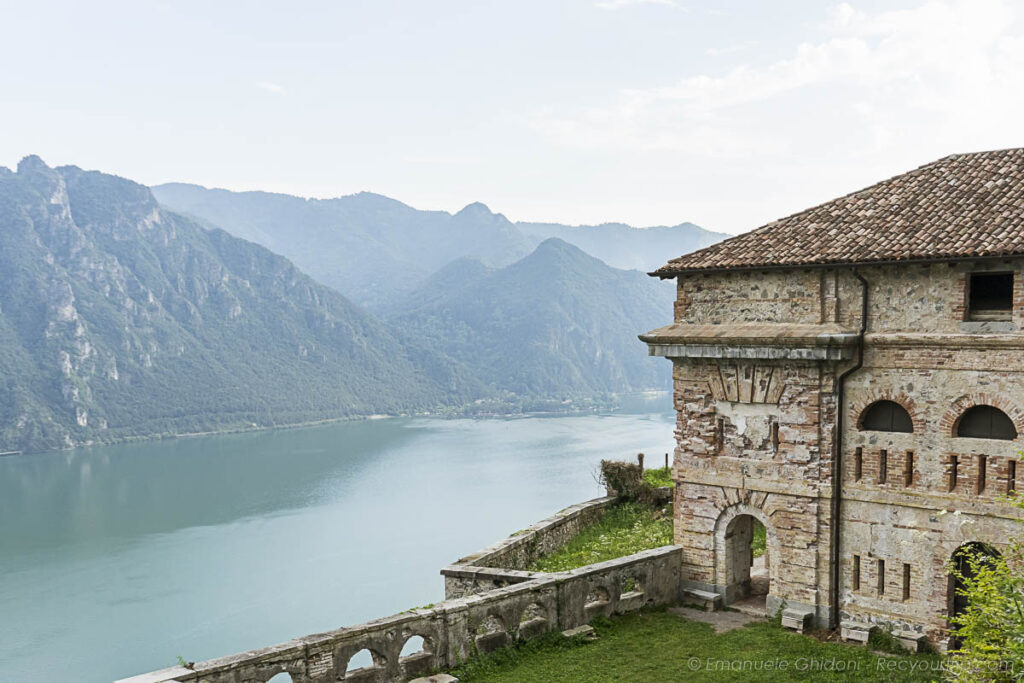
116,560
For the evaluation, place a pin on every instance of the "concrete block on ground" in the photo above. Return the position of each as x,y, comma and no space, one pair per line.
911,641
797,619
856,631
587,631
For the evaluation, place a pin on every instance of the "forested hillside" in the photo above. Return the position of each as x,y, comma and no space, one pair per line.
556,323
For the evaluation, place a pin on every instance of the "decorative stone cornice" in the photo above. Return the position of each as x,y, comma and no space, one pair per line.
753,341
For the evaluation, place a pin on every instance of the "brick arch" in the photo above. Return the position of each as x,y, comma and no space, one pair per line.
857,408
753,509
960,406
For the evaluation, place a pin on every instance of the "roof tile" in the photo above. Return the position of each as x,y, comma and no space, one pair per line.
959,207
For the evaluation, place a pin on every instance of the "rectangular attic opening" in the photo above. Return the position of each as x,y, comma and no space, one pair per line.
990,296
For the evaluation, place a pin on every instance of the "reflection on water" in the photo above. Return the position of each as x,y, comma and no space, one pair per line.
122,558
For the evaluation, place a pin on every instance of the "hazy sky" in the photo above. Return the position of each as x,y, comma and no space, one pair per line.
728,114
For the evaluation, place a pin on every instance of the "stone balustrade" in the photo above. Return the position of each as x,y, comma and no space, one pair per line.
500,606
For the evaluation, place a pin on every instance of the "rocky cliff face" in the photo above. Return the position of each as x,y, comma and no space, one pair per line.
118,318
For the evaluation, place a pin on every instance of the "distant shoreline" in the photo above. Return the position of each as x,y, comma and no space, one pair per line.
353,418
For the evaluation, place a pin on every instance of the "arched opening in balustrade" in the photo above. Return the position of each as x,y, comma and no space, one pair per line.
533,621
597,596
491,634
416,656
363,664
414,646
281,678
630,584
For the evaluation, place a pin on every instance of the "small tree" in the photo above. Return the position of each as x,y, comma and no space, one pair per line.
991,628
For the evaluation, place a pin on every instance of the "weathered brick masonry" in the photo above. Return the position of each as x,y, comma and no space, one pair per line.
764,356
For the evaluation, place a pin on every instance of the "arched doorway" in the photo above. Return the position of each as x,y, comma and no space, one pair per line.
964,570
747,564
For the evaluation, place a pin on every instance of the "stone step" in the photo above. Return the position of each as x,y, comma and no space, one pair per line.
706,600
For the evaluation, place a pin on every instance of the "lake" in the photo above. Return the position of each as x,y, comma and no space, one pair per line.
116,560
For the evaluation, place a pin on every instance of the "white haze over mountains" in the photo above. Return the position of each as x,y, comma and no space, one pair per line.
375,250
730,113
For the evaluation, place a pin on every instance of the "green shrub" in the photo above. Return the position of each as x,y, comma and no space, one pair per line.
991,628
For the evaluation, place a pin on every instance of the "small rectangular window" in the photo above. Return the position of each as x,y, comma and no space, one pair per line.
720,435
982,472
1011,476
775,436
908,469
990,296
858,464
906,581
881,577
856,572
883,466
954,465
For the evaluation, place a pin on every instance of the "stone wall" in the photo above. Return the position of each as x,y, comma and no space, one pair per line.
478,622
756,437
524,547
922,354
768,459
505,562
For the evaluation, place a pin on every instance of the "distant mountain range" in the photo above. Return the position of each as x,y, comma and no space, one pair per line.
376,250
120,318
557,322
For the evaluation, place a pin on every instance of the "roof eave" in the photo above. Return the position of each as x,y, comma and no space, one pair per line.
666,273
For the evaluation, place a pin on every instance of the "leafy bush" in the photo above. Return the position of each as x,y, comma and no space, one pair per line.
627,481
991,628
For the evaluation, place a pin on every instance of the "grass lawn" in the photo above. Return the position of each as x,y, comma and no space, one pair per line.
662,476
661,647
623,529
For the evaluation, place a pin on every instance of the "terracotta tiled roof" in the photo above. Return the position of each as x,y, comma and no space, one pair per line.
960,207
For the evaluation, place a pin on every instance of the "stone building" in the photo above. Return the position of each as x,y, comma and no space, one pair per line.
851,377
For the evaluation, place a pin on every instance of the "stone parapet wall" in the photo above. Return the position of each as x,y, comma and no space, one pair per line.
505,562
521,549
531,604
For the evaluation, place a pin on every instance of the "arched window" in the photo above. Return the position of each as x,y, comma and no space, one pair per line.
967,558
986,422
886,416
